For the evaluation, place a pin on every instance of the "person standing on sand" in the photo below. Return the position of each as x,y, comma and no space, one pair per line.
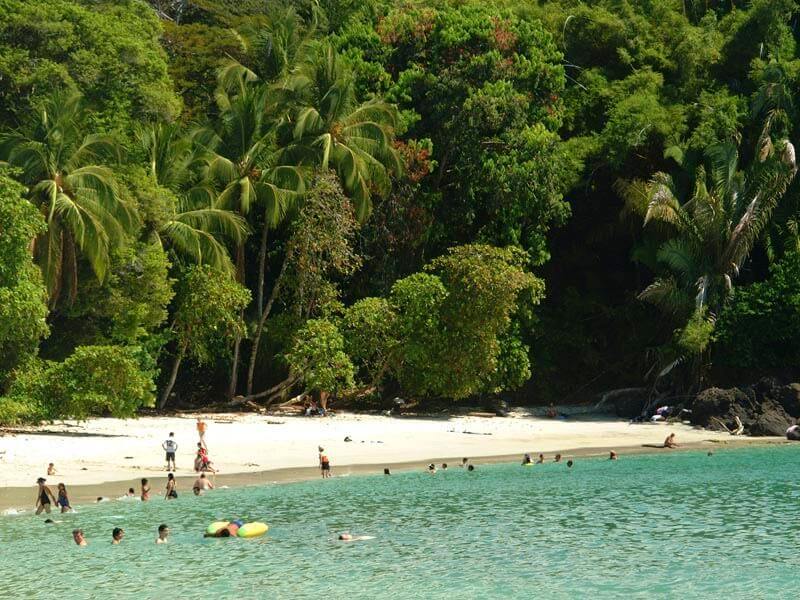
324,463
670,441
201,431
51,470
145,490
43,496
170,446
172,493
77,535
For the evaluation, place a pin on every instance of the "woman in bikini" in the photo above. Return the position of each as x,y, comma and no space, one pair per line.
145,490
43,497
63,499
171,492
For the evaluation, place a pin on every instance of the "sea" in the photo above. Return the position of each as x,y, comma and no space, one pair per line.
672,524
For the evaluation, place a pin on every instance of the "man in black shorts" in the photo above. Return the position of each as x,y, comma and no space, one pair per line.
170,446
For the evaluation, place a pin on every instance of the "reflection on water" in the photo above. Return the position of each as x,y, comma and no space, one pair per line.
676,525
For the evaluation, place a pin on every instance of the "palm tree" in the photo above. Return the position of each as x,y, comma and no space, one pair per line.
241,167
77,194
707,237
325,126
193,225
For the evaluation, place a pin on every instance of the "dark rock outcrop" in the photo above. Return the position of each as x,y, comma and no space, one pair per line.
765,408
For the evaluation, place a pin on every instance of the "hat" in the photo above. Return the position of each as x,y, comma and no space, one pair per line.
41,480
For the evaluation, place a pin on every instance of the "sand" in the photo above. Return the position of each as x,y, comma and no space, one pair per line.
109,455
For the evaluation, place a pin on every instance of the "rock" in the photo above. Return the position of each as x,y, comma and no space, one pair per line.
759,408
627,402
789,399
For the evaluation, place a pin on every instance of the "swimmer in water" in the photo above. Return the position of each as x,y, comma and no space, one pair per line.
348,537
470,468
432,469
444,466
526,459
77,535
230,530
557,458
569,464
117,535
131,493
540,461
63,500
387,471
464,462
203,484
145,490
163,534
171,491
612,455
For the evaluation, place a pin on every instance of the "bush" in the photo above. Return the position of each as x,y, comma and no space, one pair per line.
94,380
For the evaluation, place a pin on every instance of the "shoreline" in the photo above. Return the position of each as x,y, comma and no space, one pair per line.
18,498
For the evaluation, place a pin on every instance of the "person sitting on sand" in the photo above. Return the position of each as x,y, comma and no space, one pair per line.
163,534
172,493
324,463
43,496
145,490
116,535
557,458
51,470
63,500
540,461
670,441
526,459
612,455
551,411
77,535
202,462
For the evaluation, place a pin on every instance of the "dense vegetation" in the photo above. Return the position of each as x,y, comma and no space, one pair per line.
206,199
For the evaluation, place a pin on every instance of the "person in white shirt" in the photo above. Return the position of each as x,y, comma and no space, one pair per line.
170,446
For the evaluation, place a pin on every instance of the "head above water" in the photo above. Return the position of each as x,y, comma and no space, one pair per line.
387,472
163,530
569,463
117,533
470,468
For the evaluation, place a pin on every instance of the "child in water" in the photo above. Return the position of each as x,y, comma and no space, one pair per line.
63,500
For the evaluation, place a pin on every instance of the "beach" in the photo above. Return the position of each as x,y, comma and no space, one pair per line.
103,456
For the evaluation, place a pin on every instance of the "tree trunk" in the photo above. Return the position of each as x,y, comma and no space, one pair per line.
238,343
171,383
235,366
262,268
260,327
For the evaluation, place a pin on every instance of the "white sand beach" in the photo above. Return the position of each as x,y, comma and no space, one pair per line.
109,450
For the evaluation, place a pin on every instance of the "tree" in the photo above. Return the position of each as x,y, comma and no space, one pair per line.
78,195
708,236
317,358
319,247
23,298
206,318
329,129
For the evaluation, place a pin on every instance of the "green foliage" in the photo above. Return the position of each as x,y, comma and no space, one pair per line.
107,50
760,327
23,307
318,358
94,380
207,313
370,334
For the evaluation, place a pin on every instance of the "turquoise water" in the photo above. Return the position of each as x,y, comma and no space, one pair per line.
676,525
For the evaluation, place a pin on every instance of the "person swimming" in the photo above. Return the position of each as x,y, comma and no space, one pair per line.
464,462
470,468
612,455
163,534
569,464
116,535
77,535
349,537
230,530
432,469
386,471
172,493
557,458
526,459
540,460
145,490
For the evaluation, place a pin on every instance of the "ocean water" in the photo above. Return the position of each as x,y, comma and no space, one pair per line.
668,525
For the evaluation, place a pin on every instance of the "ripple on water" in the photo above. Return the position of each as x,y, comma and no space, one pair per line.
678,525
